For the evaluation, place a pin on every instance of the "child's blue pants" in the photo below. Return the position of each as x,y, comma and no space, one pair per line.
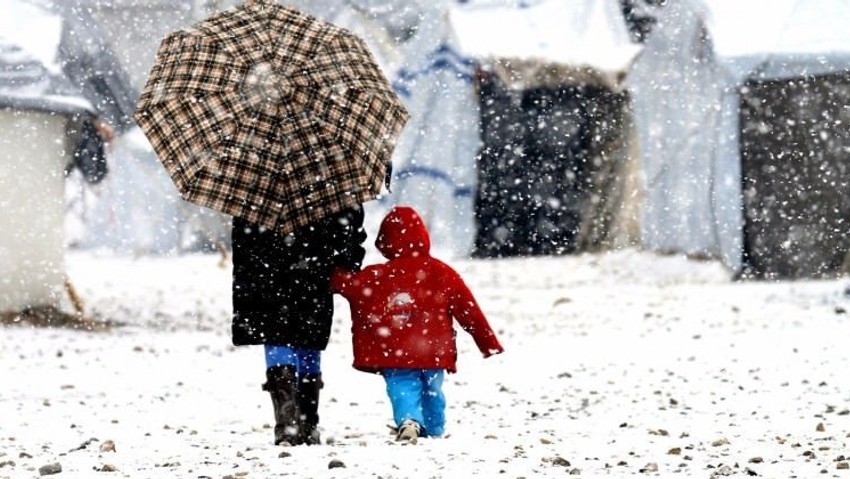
418,394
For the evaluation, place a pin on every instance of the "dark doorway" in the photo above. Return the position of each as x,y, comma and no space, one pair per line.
795,153
537,164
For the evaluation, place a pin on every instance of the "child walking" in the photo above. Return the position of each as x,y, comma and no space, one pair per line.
402,314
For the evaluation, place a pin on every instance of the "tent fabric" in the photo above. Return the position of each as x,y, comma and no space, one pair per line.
581,33
690,195
26,84
807,28
554,124
435,156
690,130
30,77
66,68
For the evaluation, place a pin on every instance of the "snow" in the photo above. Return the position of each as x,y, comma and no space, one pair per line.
577,33
619,364
779,26
20,20
33,77
615,363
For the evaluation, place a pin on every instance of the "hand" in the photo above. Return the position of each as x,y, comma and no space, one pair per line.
105,131
493,352
340,279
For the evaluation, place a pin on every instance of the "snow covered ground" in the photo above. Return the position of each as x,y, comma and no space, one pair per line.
620,364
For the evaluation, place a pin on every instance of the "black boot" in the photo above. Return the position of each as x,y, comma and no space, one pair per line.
308,403
281,385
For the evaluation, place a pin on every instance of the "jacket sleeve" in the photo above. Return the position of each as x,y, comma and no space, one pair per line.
465,310
342,281
347,238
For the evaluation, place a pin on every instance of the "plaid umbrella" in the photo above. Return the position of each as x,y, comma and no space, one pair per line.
269,114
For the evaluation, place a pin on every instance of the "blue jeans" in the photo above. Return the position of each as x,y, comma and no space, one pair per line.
306,361
418,394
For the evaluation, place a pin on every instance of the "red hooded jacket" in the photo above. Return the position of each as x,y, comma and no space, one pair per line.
402,311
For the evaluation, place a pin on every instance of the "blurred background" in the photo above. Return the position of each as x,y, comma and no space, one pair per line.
715,129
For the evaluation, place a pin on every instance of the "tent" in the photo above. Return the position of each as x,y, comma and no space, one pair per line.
434,161
554,169
742,134
52,120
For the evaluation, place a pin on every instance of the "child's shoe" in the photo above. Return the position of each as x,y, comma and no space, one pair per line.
409,431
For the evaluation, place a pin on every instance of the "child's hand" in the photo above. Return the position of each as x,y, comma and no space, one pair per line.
491,352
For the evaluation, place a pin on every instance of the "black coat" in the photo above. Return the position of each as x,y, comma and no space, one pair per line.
281,284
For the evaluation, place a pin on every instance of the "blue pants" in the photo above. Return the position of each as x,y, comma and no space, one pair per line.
418,394
306,361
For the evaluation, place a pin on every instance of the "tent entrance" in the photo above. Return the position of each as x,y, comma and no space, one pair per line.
795,154
549,154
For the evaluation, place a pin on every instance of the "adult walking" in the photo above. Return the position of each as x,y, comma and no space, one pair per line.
286,123
282,299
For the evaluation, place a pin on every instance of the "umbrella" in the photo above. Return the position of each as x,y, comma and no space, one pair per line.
269,114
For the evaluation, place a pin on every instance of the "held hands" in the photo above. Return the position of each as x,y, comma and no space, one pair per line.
341,279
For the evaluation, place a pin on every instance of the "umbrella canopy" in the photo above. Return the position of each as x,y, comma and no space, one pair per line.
269,114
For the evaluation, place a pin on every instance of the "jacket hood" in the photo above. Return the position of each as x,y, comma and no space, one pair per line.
403,234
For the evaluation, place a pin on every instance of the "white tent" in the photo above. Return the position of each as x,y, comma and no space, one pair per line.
578,33
32,76
434,162
39,108
555,125
686,88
